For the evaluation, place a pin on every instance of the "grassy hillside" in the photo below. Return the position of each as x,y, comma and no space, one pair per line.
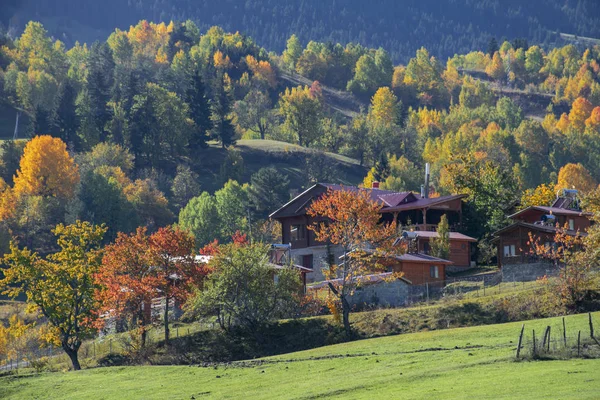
287,158
473,362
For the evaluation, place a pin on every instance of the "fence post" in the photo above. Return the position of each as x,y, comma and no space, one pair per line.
564,332
591,326
534,347
427,289
579,344
520,340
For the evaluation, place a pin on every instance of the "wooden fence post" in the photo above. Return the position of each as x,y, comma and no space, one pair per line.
520,340
564,332
591,326
579,344
534,347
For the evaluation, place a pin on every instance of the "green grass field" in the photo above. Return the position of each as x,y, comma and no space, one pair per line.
475,362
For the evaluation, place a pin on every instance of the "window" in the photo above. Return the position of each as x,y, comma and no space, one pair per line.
426,248
434,271
510,251
572,224
298,232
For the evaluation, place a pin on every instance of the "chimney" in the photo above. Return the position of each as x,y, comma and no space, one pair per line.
426,188
375,185
422,191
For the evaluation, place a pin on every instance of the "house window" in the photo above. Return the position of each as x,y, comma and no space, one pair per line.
510,251
572,224
434,271
298,232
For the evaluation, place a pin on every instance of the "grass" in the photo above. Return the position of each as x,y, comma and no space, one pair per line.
287,158
476,362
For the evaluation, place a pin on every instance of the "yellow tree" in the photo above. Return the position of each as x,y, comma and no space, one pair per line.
576,176
580,112
384,108
62,285
495,69
593,122
542,195
563,123
351,221
46,169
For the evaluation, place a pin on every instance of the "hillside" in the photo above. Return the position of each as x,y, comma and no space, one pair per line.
401,27
473,362
289,159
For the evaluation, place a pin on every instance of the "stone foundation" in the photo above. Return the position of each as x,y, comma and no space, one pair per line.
527,272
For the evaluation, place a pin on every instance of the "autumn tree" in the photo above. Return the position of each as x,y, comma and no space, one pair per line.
61,286
176,272
580,112
292,52
543,195
495,69
302,111
352,223
46,169
576,176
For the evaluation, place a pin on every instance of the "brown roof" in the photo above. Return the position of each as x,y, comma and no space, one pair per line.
451,235
390,201
365,279
552,210
422,258
536,227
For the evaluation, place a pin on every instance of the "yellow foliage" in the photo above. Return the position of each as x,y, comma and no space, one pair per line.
495,69
542,195
384,108
575,176
580,112
221,61
46,169
563,123
593,122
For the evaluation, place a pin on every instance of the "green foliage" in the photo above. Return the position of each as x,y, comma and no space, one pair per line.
269,190
201,218
245,290
440,245
185,186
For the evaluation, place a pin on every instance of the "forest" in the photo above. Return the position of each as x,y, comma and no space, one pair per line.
401,27
122,129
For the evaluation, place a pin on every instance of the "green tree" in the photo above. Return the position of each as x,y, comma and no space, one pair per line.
62,285
233,208
440,245
269,190
242,292
199,112
292,52
185,186
201,218
222,125
302,111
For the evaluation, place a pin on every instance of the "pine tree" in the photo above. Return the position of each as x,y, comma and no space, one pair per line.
492,47
67,121
382,168
199,112
222,125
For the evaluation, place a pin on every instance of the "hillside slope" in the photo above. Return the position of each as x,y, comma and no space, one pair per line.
457,363
401,27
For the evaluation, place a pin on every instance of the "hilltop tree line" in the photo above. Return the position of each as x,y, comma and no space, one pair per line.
445,28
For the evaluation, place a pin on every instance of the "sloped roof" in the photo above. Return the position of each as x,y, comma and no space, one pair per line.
536,227
451,235
390,201
551,210
422,258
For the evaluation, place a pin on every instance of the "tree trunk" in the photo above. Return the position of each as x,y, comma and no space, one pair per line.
166,320
73,356
346,316
144,336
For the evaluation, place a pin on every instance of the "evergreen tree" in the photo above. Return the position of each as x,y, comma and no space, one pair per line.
67,121
199,112
382,168
100,83
222,125
269,190
492,47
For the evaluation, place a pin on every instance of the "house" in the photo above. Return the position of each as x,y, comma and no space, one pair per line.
514,253
420,268
405,208
462,247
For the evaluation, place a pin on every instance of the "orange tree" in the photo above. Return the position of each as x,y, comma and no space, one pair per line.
127,282
351,219
566,251
174,266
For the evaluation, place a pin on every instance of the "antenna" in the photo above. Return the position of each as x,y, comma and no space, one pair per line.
426,188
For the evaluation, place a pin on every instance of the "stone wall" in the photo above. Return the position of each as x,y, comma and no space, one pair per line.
382,294
527,272
320,255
